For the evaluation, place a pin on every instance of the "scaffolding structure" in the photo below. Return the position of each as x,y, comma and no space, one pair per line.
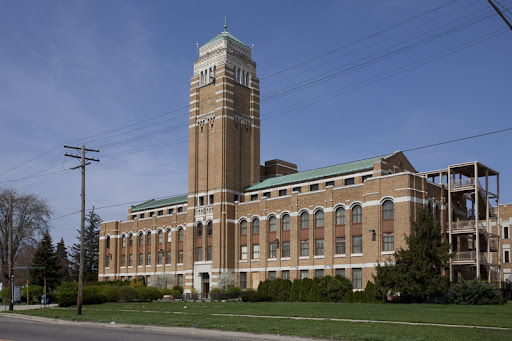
474,239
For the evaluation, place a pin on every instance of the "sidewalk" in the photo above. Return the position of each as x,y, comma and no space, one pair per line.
18,307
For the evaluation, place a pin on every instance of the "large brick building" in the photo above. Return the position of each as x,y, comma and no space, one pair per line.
271,221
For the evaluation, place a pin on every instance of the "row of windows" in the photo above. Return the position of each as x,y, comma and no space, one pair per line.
128,240
158,213
207,76
357,276
357,217
162,258
388,244
241,76
312,187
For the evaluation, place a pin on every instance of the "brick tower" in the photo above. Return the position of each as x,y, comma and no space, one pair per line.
224,151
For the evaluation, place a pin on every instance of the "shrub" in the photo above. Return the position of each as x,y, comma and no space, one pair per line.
34,293
253,296
475,292
127,293
349,296
176,294
295,289
234,291
92,294
112,293
138,282
67,294
179,288
333,289
148,294
305,288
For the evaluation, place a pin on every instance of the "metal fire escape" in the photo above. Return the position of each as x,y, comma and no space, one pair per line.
473,223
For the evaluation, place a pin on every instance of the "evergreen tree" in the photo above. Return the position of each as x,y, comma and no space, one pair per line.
63,261
421,268
45,257
91,249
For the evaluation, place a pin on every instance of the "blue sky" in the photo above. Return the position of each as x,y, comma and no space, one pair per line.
70,70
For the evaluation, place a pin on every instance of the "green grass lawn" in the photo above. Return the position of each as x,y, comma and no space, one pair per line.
201,315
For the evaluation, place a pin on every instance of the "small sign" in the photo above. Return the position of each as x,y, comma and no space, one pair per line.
17,294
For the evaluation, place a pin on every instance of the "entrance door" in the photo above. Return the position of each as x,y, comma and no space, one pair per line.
206,285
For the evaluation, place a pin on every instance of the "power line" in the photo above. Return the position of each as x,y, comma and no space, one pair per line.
371,157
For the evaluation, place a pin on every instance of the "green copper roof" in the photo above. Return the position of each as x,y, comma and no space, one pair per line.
344,168
160,203
227,35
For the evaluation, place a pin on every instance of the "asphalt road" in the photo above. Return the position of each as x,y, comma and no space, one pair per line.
21,329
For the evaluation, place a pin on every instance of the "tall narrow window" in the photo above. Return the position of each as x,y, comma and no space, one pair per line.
340,246
304,248
180,257
243,227
160,237
210,228
256,226
168,258
304,220
285,249
340,216
148,259
272,250
388,238
199,254
123,240
141,239
148,238
286,222
199,230
209,253
319,219
357,244
357,214
319,247
243,252
130,240
107,242
357,278
180,235
256,251
169,236
272,224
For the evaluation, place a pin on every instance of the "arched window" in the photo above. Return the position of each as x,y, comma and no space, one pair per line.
388,228
123,240
107,241
243,77
286,222
169,236
199,230
247,78
272,223
202,79
256,226
148,238
357,214
243,227
211,76
180,235
429,207
210,228
319,218
130,240
304,220
438,213
160,237
141,239
214,72
388,209
340,216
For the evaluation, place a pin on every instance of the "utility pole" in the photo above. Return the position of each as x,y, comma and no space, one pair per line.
82,225
500,14
11,284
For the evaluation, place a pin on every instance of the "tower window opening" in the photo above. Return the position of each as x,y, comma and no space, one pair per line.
236,126
246,130
201,130
212,126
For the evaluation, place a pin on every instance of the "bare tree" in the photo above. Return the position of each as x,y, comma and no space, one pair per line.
30,220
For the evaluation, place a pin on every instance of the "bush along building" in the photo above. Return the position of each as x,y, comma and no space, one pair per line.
267,221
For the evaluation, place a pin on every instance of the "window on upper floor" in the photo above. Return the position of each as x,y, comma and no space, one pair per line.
107,241
304,220
357,214
210,228
161,212
313,187
364,177
266,195
319,218
285,220
243,227
148,238
180,209
160,237
340,216
296,189
199,230
272,223
181,235
123,241
505,232
254,197
282,192
349,181
329,183
388,209
256,226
